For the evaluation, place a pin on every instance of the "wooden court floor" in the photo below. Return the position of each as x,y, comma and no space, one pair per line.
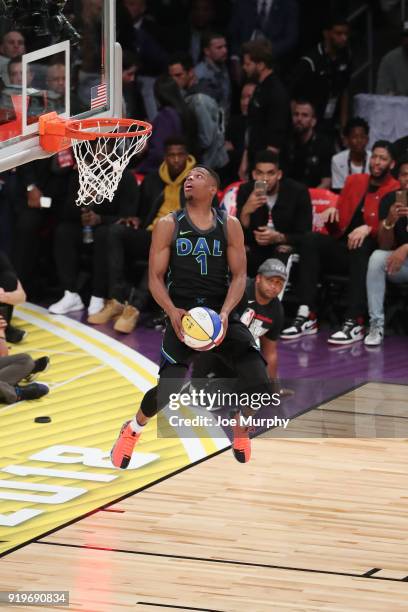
311,523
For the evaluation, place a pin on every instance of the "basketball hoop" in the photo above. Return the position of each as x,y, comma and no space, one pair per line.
102,149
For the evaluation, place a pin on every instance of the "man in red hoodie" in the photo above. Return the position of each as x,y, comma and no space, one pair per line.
352,229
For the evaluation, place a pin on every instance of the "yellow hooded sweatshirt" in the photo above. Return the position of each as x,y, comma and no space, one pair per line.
171,200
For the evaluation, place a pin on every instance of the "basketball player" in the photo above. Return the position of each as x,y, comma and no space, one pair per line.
201,249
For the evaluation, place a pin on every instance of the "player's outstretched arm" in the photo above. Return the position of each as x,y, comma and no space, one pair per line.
159,259
236,256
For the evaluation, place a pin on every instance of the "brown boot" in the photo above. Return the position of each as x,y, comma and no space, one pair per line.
128,320
112,309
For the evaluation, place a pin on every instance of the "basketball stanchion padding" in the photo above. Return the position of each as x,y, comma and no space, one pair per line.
102,149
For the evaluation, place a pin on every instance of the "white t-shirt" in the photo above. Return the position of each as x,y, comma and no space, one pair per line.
341,167
271,201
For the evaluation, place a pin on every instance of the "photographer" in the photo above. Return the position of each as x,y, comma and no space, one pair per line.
15,368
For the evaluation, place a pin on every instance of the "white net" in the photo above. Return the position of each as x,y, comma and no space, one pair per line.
102,161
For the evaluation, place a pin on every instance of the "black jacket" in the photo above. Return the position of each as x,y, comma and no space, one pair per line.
292,214
268,116
318,78
152,198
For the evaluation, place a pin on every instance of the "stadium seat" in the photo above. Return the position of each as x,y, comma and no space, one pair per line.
228,198
321,200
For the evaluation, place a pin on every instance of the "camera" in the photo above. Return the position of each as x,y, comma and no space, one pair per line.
42,17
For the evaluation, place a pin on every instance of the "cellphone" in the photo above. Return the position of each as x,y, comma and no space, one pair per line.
401,197
260,187
45,202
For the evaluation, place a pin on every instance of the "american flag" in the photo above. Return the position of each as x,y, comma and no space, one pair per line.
99,96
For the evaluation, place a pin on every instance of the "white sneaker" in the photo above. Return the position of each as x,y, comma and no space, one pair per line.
375,335
71,302
349,333
301,326
95,305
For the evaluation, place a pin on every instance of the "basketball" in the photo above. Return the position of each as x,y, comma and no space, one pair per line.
202,328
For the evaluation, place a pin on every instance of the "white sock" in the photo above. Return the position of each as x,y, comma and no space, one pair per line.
303,311
135,426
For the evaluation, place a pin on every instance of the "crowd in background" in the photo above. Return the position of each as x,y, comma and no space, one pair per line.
258,91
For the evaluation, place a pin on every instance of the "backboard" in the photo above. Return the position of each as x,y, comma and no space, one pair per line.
55,55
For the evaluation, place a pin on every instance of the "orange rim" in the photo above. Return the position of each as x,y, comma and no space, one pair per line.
75,128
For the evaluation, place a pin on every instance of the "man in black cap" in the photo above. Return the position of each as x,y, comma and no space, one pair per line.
262,312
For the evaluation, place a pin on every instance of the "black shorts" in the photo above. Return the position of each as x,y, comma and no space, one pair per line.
237,343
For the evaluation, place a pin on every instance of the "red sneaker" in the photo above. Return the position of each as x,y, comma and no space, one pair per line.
241,445
122,450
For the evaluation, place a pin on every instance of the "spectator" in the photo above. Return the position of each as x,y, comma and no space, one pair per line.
55,82
390,262
261,310
273,20
16,368
273,222
11,294
133,105
69,239
356,158
269,110
15,80
210,149
138,32
15,72
43,178
400,149
235,133
129,240
309,152
213,70
7,210
12,45
182,29
173,119
90,60
392,78
346,250
202,19
323,75
172,18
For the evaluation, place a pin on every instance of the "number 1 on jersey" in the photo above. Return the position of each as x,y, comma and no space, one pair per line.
202,260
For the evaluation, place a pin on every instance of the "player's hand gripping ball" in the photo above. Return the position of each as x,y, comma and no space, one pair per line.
202,328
